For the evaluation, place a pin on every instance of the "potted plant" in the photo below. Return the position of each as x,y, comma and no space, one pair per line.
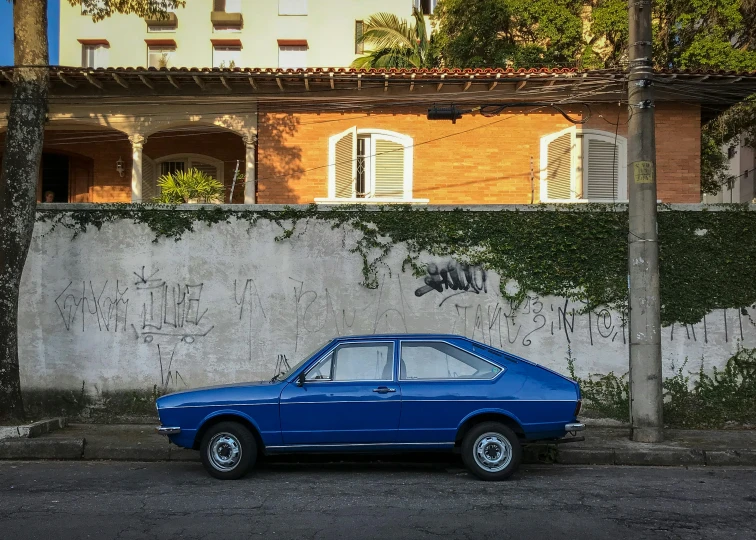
190,186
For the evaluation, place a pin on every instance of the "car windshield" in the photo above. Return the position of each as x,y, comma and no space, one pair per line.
288,371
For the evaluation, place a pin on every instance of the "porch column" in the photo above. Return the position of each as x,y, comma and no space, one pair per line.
249,160
137,143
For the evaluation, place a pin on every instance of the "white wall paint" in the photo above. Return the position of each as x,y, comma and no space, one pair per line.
93,309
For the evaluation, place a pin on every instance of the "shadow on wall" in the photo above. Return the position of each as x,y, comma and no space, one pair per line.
279,162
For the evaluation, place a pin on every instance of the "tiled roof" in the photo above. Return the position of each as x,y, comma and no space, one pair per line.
719,89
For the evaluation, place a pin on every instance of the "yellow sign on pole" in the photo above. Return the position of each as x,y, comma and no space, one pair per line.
643,172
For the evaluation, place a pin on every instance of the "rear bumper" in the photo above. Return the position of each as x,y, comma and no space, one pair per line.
575,426
168,430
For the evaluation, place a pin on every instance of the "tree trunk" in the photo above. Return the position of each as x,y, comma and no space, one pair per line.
18,184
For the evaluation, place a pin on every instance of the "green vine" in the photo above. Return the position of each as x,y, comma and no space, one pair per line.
574,251
726,396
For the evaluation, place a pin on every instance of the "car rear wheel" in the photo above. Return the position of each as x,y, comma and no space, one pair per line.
228,450
491,451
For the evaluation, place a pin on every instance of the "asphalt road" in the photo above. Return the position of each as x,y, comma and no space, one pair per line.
104,500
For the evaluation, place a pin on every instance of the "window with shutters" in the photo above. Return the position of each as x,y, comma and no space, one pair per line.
154,169
583,165
370,165
359,31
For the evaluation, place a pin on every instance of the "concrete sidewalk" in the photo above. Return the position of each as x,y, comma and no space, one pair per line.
602,446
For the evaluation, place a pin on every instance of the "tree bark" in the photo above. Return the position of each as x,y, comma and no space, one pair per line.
18,184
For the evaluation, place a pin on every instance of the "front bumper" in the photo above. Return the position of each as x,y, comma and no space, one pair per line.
573,427
168,430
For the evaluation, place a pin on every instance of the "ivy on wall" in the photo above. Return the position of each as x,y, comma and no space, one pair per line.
708,258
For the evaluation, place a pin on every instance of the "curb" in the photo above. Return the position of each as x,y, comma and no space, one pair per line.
23,449
60,448
32,430
670,457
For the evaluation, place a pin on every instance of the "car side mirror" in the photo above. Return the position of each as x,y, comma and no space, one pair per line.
301,379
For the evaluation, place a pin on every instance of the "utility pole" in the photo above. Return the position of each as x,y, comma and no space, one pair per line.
643,248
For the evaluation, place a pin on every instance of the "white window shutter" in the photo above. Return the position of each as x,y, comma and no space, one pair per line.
559,168
343,166
389,169
601,160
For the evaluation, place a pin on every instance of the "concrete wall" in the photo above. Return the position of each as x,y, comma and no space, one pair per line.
112,310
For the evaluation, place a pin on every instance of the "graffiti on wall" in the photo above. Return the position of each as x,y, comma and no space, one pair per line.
290,314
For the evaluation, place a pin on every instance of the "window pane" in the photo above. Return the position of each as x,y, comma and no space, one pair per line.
233,6
158,57
292,56
170,167
359,30
322,371
438,360
94,56
226,56
363,158
292,7
364,362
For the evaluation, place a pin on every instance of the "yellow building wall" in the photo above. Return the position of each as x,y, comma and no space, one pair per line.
328,28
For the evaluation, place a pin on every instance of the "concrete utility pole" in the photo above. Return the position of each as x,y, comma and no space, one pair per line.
643,248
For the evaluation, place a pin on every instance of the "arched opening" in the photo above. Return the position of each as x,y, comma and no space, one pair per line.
217,152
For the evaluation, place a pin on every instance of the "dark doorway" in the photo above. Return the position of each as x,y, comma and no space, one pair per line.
54,177
68,177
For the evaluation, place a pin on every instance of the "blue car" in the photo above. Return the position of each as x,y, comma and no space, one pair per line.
380,393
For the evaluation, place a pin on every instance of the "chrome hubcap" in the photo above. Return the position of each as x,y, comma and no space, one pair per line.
224,452
492,452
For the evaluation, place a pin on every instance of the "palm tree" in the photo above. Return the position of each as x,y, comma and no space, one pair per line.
396,43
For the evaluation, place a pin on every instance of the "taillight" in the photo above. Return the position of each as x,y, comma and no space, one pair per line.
577,408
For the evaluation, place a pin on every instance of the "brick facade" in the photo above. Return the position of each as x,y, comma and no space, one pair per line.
106,147
478,160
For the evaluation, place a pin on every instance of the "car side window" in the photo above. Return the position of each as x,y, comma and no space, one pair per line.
440,360
321,371
356,362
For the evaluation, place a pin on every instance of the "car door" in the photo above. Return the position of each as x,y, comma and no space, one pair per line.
349,397
441,384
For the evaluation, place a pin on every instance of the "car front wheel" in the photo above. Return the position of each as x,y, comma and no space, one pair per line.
491,451
228,450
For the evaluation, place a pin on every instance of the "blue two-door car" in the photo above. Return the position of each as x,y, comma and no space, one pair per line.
380,392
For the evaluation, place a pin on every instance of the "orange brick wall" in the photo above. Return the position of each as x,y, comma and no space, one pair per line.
478,160
105,148
678,147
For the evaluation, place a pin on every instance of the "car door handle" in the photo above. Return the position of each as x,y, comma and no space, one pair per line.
384,390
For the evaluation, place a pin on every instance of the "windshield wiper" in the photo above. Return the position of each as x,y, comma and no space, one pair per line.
275,377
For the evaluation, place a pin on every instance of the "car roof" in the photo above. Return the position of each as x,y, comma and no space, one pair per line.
371,337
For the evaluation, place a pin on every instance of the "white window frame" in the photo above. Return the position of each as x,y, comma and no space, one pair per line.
101,55
375,134
169,50
293,48
227,48
499,373
577,170
187,159
292,7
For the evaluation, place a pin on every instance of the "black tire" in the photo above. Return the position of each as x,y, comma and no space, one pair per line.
501,439
219,444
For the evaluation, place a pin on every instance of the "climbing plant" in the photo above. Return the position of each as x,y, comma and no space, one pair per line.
575,251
